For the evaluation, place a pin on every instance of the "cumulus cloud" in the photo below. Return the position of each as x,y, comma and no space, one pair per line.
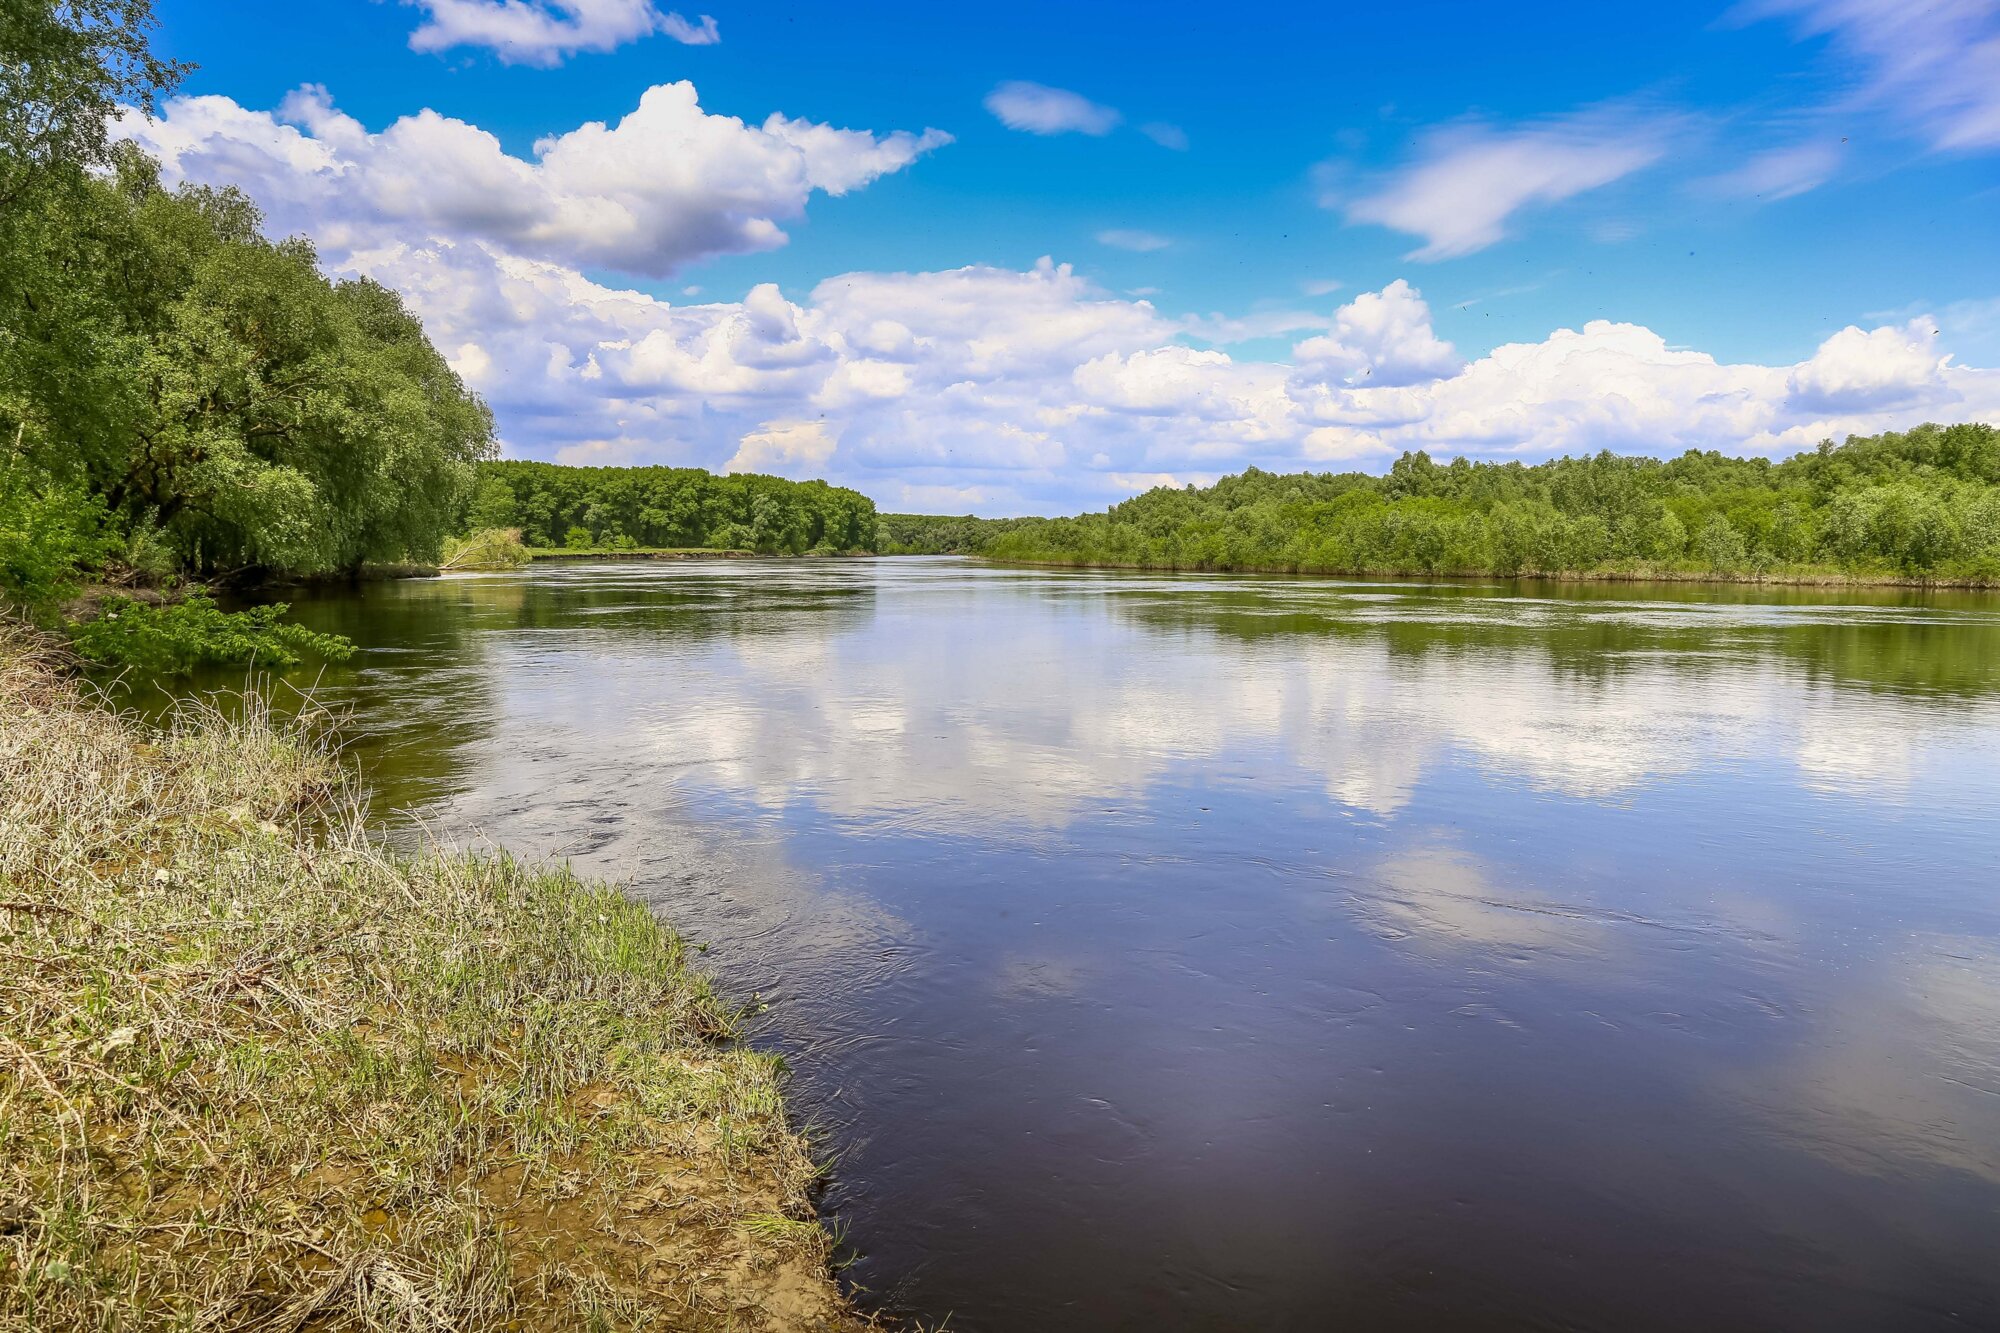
1468,180
1034,391
543,32
1128,238
1040,109
1382,338
1871,371
1936,66
797,449
667,185
996,389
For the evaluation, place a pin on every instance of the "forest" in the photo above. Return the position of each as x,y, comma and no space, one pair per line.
184,400
187,403
1921,505
940,534
625,508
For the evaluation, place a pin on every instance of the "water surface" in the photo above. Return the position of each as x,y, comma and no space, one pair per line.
1165,952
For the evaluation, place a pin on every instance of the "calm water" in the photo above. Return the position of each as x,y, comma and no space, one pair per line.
1213,953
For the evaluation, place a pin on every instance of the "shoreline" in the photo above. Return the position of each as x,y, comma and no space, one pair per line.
1778,579
537,555
265,1070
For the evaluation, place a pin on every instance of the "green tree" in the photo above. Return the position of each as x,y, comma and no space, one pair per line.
216,384
67,68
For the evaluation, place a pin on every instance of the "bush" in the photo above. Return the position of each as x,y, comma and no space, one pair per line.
49,533
491,548
196,632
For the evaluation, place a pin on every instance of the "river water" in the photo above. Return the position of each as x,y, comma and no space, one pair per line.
1196,952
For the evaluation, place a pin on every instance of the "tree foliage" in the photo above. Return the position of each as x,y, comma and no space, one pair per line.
940,534
193,375
196,632
180,395
1922,504
614,507
66,68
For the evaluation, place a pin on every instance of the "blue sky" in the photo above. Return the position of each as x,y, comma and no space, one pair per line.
1274,219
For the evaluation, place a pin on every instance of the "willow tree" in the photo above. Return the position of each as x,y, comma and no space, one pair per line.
192,378
212,384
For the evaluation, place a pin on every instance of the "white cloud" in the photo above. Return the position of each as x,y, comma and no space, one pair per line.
1040,109
1165,135
667,185
1468,180
1874,370
1936,66
704,33
838,161
1269,322
797,449
1779,173
1128,238
1320,286
980,387
1383,339
1176,381
542,32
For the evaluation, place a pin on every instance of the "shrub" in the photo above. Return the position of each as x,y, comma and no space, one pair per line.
49,533
196,632
490,548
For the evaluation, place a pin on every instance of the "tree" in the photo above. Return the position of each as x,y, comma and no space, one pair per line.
1925,502
67,68
196,376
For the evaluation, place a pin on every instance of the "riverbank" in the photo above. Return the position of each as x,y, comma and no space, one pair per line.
634,553
259,1072
1780,578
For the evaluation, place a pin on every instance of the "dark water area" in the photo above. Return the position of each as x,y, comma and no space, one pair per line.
1180,952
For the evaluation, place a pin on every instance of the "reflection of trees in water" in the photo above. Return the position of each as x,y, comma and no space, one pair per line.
749,605
425,688
443,652
1949,651
1022,698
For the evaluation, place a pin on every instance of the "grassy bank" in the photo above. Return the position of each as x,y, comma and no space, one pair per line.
258,1073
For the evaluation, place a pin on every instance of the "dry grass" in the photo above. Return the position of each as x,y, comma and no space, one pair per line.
257,1073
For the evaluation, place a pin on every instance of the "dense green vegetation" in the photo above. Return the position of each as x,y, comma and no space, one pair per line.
181,397
626,508
1920,505
934,534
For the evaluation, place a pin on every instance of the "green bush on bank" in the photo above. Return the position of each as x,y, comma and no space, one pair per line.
488,548
179,636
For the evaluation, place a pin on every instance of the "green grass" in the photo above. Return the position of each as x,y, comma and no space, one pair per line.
258,1072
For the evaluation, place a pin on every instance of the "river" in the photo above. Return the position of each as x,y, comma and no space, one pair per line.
1194,952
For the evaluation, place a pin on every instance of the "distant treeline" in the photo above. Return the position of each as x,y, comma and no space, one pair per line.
934,534
630,507
1925,504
